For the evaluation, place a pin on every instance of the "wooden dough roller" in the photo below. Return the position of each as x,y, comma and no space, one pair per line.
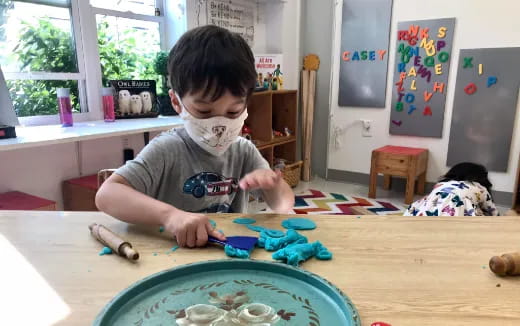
112,240
507,264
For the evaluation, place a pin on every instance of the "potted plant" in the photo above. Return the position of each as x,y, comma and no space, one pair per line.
161,68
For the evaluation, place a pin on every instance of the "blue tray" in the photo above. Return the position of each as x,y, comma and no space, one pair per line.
228,293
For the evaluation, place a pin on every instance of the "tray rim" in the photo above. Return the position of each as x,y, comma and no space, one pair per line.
103,316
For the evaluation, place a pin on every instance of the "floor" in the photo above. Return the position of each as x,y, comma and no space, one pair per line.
346,189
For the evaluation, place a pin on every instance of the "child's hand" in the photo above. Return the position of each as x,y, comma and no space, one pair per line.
190,229
264,179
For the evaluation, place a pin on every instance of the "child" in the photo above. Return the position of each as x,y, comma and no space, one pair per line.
464,191
204,167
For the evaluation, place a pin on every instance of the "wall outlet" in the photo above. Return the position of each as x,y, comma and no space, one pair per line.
366,128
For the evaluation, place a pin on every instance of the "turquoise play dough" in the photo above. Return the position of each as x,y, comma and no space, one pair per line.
213,223
299,224
174,248
161,229
297,253
274,233
256,228
276,243
244,221
235,252
105,251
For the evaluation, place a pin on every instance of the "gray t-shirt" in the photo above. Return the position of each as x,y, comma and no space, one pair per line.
177,171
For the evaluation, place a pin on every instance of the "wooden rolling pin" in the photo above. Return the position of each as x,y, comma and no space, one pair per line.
507,264
112,240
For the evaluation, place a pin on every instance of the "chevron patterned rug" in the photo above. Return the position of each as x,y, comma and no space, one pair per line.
318,202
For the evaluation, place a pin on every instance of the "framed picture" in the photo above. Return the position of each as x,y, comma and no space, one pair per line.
135,98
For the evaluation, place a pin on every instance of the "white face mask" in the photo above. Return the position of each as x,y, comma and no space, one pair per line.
215,134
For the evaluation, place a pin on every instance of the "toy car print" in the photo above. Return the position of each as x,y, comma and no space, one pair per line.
209,184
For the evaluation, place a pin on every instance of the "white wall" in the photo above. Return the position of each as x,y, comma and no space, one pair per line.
479,24
39,171
277,30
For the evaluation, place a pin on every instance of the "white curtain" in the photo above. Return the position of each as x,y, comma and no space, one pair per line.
7,114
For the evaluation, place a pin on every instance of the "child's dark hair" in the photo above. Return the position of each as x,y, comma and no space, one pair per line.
468,172
213,60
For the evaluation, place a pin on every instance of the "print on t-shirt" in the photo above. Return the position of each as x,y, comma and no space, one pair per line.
210,184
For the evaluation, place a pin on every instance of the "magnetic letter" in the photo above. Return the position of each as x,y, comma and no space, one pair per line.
345,56
442,32
402,35
413,87
492,80
424,33
438,69
381,54
364,55
429,61
444,56
427,111
417,61
355,56
470,89
480,69
438,87
440,45
401,67
399,106
372,55
468,62
412,108
412,72
400,97
427,96
409,98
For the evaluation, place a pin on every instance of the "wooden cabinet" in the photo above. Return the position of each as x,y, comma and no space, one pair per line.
274,111
270,112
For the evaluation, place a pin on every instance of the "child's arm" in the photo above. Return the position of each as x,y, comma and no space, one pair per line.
277,193
118,198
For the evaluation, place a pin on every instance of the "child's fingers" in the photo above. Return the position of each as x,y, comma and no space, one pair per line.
181,238
191,237
202,235
214,233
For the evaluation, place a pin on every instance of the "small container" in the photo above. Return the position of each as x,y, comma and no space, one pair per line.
108,104
64,106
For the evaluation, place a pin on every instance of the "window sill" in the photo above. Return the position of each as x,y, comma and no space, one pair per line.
35,136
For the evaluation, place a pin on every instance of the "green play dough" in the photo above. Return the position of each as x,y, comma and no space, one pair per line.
236,252
299,224
244,221
213,223
161,229
256,228
105,251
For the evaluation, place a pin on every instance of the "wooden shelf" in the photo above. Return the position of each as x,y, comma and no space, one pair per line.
274,110
275,142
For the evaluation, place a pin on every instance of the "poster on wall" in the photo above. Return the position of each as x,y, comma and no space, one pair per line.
422,64
363,68
236,17
484,108
268,66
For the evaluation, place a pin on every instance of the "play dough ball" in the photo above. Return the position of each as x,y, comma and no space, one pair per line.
299,224
244,221
213,223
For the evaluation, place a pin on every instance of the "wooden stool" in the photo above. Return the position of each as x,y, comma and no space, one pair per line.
398,161
79,194
19,201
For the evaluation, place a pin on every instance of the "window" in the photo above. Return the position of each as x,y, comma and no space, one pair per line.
128,41
48,44
39,53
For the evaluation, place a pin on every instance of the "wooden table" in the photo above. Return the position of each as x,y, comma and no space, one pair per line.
404,271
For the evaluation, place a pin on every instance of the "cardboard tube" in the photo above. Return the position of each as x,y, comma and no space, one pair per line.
507,264
112,240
